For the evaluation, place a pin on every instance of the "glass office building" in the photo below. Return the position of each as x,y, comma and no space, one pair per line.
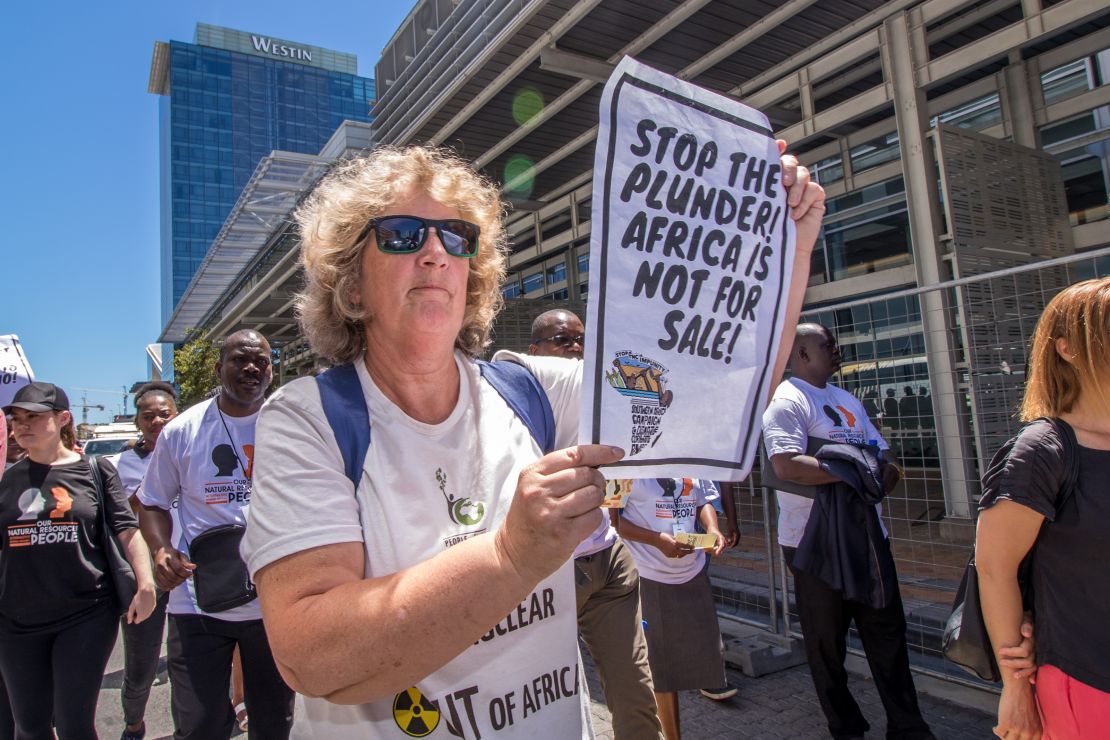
228,100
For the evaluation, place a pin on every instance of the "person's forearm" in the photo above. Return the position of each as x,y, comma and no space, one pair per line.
799,278
803,469
156,526
355,642
138,556
707,515
728,503
1002,609
636,533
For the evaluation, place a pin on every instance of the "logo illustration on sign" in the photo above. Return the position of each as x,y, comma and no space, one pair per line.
644,382
414,714
461,510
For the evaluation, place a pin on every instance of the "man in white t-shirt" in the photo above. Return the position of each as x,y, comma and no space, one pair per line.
205,459
607,585
804,406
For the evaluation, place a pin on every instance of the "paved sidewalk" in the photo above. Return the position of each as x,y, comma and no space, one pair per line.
779,705
783,705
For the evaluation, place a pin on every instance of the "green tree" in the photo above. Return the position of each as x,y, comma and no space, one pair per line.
194,367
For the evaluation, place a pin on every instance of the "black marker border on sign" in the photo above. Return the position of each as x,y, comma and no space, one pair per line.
753,424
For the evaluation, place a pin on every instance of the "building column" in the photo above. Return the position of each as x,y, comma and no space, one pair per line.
899,49
1017,102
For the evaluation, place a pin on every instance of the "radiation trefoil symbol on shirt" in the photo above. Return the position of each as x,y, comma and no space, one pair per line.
644,382
462,511
414,714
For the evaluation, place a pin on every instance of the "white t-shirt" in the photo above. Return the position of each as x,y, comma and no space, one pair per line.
652,507
426,487
132,470
799,411
604,536
202,462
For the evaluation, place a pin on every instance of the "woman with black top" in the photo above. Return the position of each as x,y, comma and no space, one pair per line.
58,605
155,405
1022,508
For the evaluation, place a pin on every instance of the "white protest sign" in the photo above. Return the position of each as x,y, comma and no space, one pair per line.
15,371
690,263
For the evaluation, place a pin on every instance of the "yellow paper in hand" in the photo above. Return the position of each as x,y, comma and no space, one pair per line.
697,541
616,493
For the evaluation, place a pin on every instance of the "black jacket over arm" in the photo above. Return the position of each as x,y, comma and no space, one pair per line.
843,543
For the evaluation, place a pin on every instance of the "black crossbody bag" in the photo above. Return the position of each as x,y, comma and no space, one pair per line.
221,580
119,569
965,641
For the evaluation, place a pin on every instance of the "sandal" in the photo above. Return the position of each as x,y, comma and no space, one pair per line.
241,716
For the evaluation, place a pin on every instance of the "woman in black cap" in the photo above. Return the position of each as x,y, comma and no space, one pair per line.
58,602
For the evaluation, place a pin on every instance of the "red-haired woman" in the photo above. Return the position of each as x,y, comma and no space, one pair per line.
1022,508
58,604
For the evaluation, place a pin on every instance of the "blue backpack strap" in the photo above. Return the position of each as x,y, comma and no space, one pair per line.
524,395
345,408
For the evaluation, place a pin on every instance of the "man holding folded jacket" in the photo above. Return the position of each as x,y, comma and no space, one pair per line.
836,547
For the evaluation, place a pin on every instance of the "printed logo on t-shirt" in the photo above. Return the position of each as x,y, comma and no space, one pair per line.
466,711
232,490
836,418
671,505
414,714
462,511
35,529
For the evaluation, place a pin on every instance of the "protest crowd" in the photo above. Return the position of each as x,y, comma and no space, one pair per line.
294,545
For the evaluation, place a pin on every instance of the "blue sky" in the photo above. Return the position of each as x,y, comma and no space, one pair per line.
79,189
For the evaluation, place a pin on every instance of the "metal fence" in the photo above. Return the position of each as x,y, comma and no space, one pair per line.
984,324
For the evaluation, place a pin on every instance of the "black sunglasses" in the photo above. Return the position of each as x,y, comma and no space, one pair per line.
407,234
564,340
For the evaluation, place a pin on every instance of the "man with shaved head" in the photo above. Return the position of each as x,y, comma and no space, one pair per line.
807,406
203,464
558,333
607,585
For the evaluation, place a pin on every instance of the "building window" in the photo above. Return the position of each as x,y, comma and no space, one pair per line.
864,196
866,242
554,225
511,290
1067,81
533,282
526,238
975,116
874,153
584,210
1085,188
829,170
556,273
559,295
1070,128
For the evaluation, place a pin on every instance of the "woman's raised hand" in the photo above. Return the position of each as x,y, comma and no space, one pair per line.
555,508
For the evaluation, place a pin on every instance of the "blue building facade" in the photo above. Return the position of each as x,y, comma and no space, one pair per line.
228,100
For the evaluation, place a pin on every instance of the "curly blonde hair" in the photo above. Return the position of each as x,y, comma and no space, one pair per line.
360,189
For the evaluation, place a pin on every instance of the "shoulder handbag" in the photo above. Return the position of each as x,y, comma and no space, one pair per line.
221,579
119,569
965,641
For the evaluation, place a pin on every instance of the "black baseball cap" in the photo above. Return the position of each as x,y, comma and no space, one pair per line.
39,397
